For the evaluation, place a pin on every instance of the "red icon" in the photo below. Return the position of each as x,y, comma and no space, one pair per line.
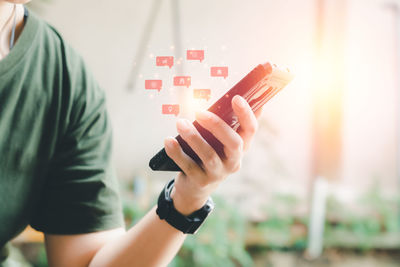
202,94
182,81
165,61
195,55
219,72
153,84
170,109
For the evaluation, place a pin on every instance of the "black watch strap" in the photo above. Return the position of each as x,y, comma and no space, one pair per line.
186,224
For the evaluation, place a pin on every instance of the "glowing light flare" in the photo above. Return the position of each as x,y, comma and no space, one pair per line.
328,81
327,73
193,105
328,76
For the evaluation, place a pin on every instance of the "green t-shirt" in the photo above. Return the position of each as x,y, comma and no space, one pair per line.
55,140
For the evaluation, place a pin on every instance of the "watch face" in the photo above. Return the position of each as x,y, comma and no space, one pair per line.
209,207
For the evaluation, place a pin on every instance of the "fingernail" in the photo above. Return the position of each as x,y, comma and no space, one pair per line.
203,115
183,124
240,101
169,141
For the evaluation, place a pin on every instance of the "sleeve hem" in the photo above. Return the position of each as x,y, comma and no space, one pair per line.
106,222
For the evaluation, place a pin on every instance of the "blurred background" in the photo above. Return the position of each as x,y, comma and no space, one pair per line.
320,184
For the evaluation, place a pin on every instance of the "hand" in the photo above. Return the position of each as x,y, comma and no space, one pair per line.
194,185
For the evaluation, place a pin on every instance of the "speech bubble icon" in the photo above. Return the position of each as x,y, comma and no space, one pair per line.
153,85
195,55
182,81
219,72
170,109
202,93
165,61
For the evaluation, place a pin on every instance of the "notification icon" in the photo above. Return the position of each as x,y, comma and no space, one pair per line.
165,61
153,85
195,55
170,109
182,81
219,72
202,93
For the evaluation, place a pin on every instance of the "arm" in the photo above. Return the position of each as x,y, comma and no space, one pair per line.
153,242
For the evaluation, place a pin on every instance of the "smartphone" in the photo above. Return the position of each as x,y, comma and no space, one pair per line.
257,87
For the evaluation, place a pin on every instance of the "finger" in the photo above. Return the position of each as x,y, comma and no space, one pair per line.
233,143
258,112
210,159
175,152
247,119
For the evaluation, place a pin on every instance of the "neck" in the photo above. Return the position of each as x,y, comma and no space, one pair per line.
6,23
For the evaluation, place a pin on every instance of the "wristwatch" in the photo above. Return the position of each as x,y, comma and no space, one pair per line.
186,224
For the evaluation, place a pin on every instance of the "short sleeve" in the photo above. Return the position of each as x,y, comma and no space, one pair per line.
80,192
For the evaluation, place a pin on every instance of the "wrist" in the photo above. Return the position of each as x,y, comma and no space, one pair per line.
185,205
189,217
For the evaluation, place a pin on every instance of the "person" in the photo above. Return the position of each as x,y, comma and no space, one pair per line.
55,157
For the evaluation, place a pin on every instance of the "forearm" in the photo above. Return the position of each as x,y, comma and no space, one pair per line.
151,242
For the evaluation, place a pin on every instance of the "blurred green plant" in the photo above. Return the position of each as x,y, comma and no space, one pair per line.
373,223
42,258
283,229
